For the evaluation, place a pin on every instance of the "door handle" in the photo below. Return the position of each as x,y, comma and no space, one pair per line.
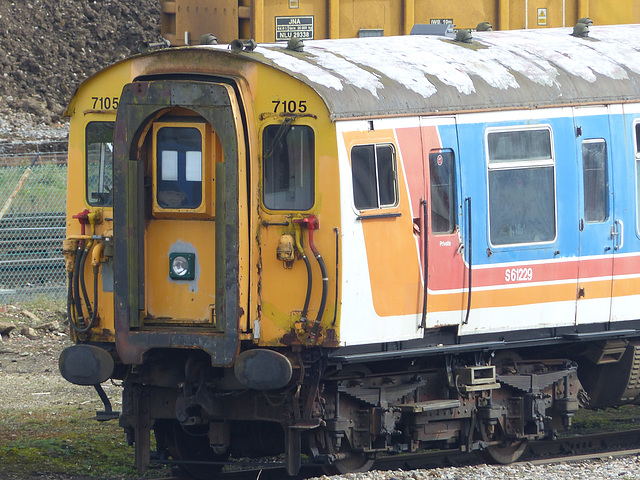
617,234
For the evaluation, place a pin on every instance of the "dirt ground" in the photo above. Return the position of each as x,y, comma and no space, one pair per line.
29,375
33,391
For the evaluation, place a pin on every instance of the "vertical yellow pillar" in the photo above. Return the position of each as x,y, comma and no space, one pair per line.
503,15
409,16
334,19
258,21
583,9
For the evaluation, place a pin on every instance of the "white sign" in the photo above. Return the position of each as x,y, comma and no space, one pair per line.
542,16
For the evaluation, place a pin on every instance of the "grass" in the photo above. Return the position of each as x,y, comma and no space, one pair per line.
67,441
626,417
43,191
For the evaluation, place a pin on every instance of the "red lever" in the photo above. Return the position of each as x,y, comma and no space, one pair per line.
83,218
312,223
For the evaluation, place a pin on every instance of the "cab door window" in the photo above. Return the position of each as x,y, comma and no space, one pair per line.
179,167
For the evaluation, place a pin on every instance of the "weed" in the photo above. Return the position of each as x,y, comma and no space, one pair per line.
68,442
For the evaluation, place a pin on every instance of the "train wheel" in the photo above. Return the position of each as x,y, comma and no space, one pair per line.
350,463
356,462
507,451
190,445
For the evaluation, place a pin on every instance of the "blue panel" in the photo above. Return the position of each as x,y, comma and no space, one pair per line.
475,185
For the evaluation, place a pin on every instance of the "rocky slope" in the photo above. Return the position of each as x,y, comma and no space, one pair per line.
47,47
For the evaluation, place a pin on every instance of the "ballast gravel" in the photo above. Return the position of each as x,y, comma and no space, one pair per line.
620,468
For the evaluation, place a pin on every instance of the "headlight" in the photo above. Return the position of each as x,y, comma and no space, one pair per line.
182,266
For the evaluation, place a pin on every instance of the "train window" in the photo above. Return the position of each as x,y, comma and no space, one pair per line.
521,187
288,158
374,176
441,168
179,167
99,158
594,168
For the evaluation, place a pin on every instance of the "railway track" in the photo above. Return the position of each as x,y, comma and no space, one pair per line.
568,449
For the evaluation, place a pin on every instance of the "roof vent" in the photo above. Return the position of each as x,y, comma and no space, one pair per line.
484,27
444,29
581,30
145,47
464,36
238,46
295,44
208,39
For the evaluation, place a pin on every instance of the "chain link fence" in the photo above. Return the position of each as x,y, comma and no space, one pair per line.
33,191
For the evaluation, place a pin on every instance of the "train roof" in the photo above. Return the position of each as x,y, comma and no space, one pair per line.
420,74
435,75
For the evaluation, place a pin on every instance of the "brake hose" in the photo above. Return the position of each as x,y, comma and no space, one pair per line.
83,284
312,225
308,265
76,287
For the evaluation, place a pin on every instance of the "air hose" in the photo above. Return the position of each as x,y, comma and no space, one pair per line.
311,222
73,295
308,265
76,289
76,280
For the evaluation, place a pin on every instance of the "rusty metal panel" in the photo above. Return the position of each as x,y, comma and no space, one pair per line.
185,21
139,102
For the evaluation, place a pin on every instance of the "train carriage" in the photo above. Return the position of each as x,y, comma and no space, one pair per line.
357,247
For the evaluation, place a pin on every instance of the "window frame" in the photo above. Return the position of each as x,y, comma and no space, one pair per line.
452,191
90,201
519,164
394,164
313,170
206,173
607,206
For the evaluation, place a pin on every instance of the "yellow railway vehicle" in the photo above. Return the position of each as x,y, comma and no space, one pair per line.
185,21
350,248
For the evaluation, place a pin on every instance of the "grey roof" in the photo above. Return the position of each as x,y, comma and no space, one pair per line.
429,74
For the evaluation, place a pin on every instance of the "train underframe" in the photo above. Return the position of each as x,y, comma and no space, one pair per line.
343,416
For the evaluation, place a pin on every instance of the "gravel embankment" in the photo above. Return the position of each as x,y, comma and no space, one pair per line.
625,468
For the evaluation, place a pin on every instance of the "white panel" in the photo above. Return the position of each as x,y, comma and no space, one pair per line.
194,166
170,165
625,308
523,317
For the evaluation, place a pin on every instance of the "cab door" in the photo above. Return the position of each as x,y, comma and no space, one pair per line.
599,228
180,234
